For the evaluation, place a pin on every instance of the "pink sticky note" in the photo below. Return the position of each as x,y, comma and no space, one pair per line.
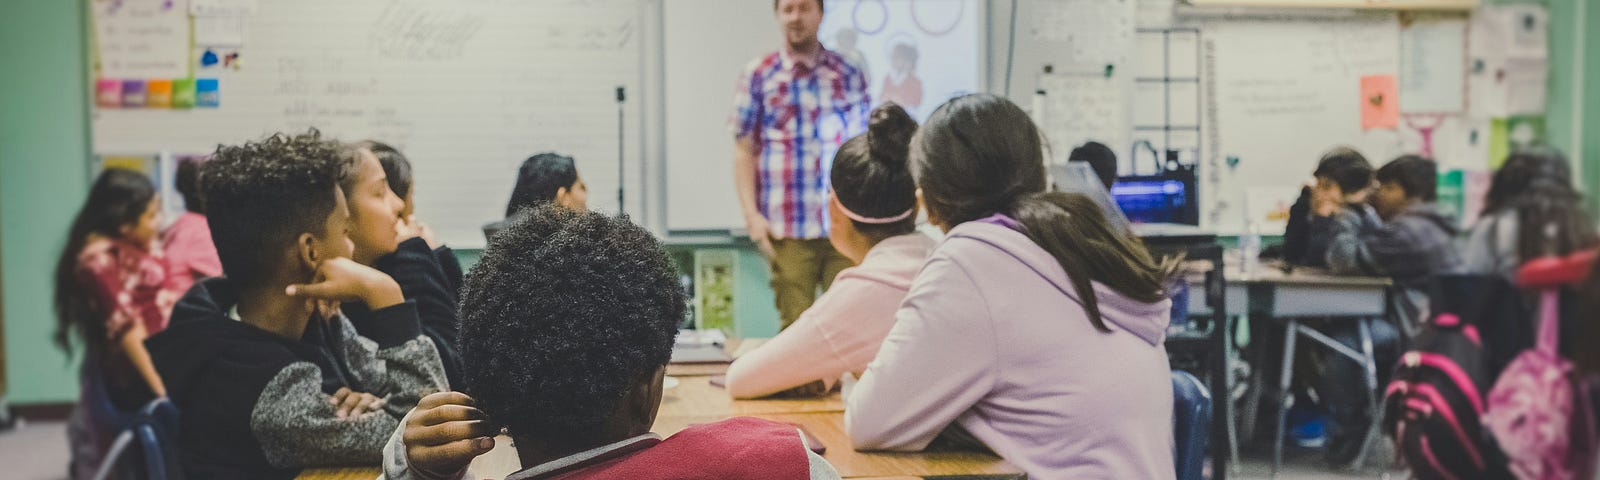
108,93
1380,102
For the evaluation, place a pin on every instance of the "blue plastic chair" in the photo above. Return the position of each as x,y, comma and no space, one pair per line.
1191,419
154,432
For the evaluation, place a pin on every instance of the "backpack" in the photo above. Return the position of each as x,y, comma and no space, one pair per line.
1435,400
1535,403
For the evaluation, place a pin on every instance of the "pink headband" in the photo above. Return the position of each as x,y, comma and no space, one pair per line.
872,221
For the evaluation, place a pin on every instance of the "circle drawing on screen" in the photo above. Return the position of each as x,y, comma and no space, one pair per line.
883,17
937,30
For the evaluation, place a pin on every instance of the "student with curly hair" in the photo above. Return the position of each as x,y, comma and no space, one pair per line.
567,325
257,400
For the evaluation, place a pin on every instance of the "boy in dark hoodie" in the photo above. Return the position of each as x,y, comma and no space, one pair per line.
1343,179
256,400
1402,236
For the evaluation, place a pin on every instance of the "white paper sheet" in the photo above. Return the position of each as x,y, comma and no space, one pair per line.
139,39
219,31
1433,65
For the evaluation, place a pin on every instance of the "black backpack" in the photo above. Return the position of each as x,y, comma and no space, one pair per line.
1434,404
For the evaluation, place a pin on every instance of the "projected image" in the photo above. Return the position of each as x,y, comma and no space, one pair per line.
917,53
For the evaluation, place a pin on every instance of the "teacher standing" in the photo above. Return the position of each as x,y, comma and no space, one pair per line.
792,110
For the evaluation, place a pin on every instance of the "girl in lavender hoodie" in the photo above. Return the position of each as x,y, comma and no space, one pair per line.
1035,327
873,211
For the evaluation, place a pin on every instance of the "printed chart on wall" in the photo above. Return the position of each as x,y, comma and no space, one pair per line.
914,53
466,90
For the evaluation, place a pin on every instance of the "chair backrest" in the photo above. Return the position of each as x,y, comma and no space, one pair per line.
154,433
1191,419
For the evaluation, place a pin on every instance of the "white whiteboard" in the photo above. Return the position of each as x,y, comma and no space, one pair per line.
1284,91
467,89
707,43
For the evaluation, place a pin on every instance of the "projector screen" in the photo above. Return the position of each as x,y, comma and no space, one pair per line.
917,53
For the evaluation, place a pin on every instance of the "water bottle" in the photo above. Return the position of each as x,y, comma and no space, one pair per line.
1250,249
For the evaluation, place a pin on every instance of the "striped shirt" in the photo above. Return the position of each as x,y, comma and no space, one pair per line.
799,115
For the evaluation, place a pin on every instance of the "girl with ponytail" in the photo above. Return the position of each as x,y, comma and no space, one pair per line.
873,210
1035,327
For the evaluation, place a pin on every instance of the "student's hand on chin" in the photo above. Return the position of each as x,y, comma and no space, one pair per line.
409,227
343,280
445,433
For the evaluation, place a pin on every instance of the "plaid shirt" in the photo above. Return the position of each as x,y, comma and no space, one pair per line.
799,115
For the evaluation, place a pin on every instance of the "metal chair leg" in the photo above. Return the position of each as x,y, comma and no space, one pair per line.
1291,333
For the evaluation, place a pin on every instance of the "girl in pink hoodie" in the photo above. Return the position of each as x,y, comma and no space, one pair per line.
873,211
1035,327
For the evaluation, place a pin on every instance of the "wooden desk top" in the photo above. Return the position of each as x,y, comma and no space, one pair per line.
1272,273
695,401
829,428
735,348
696,397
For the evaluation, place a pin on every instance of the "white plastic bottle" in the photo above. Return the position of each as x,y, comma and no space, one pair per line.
1250,249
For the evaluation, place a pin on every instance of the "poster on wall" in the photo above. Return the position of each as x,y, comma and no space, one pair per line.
914,53
139,39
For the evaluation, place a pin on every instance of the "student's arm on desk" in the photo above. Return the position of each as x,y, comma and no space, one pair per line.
1348,252
937,362
803,353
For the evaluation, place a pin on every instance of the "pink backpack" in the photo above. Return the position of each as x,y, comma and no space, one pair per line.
1532,409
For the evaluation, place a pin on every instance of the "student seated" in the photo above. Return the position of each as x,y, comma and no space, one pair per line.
1100,158
257,401
388,239
1537,185
1343,179
567,325
873,211
111,292
1403,236
1035,327
544,178
397,171
190,254
1411,241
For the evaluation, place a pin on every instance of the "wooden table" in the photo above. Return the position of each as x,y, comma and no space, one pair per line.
695,401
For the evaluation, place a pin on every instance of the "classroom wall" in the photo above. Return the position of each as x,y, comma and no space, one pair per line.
43,177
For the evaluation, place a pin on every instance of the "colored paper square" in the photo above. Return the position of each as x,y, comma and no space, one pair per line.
183,93
133,94
206,94
158,93
1380,102
108,93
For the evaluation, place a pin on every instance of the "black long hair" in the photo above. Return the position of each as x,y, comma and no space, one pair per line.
539,179
395,165
1537,185
870,173
118,198
980,154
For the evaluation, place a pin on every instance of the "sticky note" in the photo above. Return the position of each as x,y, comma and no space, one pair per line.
133,93
1380,102
206,94
108,93
183,93
158,93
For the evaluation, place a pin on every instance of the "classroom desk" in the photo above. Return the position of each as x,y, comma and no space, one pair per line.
696,401
1304,292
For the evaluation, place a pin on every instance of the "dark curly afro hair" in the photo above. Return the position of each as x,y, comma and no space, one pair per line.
566,312
260,195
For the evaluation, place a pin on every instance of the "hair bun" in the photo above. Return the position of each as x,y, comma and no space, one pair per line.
889,134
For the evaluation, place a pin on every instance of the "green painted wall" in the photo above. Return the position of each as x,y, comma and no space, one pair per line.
44,162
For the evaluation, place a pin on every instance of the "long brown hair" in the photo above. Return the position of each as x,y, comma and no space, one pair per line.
117,199
1537,185
980,154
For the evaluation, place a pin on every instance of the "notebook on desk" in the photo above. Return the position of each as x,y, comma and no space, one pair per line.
700,346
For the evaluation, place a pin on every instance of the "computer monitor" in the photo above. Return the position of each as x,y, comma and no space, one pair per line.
1156,199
